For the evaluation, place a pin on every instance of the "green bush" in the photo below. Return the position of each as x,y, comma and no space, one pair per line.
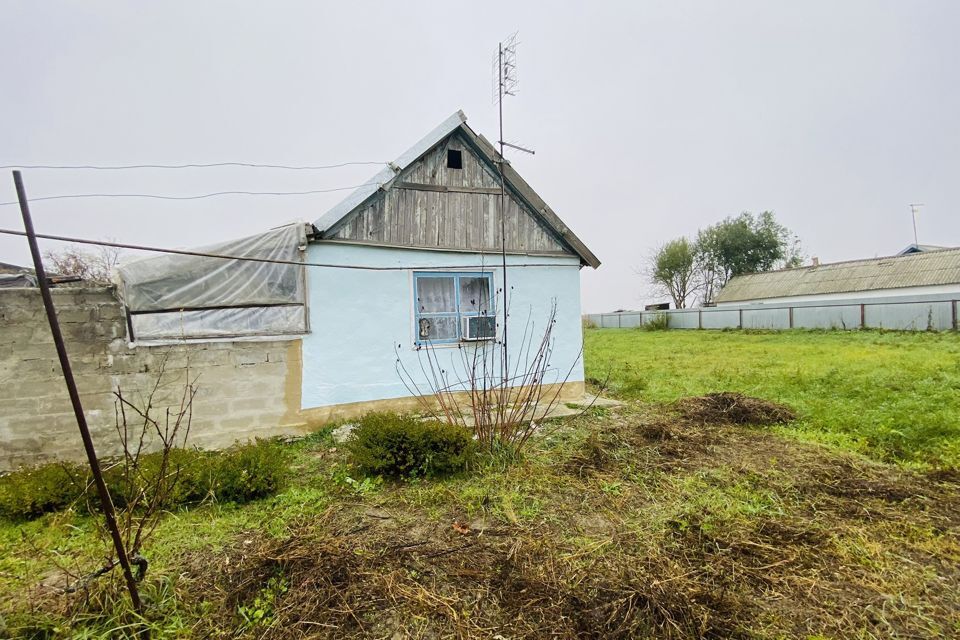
32,492
241,474
191,470
251,471
407,447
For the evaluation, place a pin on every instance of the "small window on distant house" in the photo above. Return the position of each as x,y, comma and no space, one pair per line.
454,159
451,307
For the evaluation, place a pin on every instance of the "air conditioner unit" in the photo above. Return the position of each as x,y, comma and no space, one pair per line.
477,328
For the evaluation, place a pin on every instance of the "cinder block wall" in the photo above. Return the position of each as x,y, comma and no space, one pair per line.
244,389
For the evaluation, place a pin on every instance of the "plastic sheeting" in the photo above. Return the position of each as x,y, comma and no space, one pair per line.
177,296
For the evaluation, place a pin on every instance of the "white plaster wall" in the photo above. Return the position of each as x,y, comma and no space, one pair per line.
360,321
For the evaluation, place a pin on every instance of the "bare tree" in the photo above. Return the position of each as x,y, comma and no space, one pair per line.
72,260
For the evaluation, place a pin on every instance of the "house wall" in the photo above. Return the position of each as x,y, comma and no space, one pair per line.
361,322
431,206
245,389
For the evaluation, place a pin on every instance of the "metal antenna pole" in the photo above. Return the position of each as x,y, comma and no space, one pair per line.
104,494
913,214
503,226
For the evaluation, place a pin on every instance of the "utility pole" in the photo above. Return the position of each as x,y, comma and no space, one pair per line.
105,501
913,212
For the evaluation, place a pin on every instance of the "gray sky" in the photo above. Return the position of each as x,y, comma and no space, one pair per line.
650,119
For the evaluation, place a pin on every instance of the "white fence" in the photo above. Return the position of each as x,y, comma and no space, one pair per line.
903,314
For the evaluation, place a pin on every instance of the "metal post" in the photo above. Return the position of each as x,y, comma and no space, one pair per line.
104,494
503,225
790,315
863,316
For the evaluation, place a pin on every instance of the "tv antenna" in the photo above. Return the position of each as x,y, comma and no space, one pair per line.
506,82
914,207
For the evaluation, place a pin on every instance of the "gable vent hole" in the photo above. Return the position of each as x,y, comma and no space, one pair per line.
454,159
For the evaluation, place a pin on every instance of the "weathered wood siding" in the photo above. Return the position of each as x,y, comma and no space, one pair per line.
430,205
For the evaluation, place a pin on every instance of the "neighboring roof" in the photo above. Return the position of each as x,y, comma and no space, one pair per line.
929,268
920,248
17,280
6,267
383,181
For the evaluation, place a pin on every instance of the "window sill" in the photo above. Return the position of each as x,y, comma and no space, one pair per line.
453,344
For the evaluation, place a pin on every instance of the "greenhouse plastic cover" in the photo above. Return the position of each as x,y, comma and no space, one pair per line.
182,296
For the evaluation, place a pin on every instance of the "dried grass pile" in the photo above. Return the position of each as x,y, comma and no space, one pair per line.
733,408
458,583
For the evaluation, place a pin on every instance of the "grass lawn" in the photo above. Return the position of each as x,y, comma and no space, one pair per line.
894,396
648,520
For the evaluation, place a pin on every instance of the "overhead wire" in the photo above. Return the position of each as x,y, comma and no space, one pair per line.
204,165
158,196
204,254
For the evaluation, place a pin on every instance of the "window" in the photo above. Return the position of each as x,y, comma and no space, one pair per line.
454,159
445,304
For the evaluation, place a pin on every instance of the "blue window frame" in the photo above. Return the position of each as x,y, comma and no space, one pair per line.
442,300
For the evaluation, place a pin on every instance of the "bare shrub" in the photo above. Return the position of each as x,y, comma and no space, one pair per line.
144,478
503,406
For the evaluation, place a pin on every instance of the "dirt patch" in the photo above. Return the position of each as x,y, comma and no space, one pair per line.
594,455
732,408
338,583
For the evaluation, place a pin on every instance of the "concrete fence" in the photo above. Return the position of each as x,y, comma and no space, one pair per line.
245,389
907,314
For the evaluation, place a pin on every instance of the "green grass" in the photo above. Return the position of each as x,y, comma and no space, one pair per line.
890,395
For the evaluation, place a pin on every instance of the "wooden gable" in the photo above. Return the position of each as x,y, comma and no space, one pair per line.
433,206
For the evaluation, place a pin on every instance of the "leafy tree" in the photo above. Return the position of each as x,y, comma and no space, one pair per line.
672,269
744,244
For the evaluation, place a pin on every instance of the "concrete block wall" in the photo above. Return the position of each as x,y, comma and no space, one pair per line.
245,389
897,314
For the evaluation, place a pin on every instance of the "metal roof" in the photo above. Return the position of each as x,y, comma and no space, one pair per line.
384,181
920,248
6,267
927,268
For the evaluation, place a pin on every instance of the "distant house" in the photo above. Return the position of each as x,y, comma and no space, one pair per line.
920,248
7,269
921,274
14,276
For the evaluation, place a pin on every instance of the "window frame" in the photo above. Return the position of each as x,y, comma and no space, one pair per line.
458,314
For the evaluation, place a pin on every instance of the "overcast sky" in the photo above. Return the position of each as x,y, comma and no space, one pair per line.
649,119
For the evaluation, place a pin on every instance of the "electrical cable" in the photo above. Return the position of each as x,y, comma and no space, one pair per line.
190,166
155,196
203,254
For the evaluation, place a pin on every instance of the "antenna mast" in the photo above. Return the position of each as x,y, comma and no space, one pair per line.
506,83
913,212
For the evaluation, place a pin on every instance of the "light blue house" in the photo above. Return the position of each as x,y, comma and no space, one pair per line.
396,291
423,239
